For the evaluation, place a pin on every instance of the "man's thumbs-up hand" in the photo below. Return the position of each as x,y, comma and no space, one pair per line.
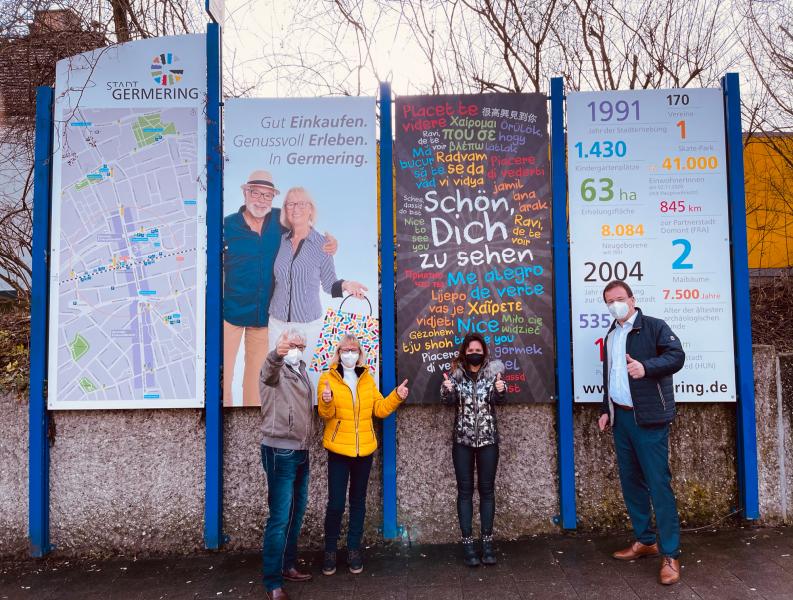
635,368
327,395
500,386
448,383
402,390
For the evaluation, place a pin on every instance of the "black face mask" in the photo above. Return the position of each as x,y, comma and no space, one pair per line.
475,359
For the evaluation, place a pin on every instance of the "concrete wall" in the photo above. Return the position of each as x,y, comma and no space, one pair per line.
13,475
133,481
123,480
245,497
774,393
526,483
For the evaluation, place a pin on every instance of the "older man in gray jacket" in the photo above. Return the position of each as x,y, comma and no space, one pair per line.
287,423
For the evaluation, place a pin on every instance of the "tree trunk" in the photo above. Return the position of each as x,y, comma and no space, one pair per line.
120,20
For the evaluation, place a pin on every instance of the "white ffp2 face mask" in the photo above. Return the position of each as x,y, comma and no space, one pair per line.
293,357
349,359
619,310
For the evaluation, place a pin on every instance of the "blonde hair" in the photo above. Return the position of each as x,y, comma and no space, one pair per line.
312,207
349,337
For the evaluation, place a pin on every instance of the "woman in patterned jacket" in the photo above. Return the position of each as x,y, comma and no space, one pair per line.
474,386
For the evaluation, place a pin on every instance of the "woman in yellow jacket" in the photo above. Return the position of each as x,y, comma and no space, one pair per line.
348,400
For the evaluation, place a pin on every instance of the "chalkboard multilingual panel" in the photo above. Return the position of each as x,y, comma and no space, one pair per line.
647,175
473,238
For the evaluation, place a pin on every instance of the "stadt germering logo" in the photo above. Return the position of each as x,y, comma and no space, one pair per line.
169,78
165,69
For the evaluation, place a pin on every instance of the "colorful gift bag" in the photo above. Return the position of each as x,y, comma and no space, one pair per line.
338,322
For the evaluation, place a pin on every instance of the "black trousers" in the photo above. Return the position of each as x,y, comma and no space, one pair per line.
485,461
344,470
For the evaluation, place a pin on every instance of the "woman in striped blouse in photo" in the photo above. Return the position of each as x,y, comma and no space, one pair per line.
301,269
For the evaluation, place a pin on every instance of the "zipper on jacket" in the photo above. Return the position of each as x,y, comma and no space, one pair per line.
661,394
357,420
335,431
259,314
476,411
260,241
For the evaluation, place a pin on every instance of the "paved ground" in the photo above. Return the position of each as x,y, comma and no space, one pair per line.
724,565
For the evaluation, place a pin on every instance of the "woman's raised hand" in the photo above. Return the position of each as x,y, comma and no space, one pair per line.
402,390
500,385
448,383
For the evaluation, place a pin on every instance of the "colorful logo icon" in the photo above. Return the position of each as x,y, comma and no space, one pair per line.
165,70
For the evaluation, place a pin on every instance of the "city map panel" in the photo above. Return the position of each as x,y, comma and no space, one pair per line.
127,289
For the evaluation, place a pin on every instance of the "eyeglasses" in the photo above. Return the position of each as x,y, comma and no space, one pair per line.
300,347
259,194
302,205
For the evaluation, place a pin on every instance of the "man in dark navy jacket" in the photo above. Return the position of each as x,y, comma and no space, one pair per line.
641,353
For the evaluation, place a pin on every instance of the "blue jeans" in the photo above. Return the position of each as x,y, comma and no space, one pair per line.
643,461
341,471
287,495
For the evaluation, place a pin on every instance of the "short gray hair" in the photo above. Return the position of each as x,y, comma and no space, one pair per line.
293,333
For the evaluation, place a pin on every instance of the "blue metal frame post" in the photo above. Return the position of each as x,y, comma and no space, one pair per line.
561,276
746,424
213,508
38,420
388,314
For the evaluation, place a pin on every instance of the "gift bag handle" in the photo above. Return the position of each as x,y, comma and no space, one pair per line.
351,296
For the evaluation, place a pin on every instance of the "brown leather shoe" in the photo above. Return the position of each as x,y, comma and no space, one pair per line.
636,550
277,594
294,575
670,571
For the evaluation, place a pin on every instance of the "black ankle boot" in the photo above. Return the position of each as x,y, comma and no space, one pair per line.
469,553
488,555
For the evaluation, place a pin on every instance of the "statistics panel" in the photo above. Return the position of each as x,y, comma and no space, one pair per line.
647,175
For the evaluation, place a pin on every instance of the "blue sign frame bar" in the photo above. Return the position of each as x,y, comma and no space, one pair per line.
746,420
38,419
561,279
388,312
213,506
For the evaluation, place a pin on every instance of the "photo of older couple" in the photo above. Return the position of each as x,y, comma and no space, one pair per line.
276,265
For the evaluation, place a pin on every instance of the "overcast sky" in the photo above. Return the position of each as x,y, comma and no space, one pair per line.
259,35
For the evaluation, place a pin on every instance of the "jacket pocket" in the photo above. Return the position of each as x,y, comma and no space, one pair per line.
336,430
281,420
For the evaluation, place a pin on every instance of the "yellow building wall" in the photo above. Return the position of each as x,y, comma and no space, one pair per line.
768,166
